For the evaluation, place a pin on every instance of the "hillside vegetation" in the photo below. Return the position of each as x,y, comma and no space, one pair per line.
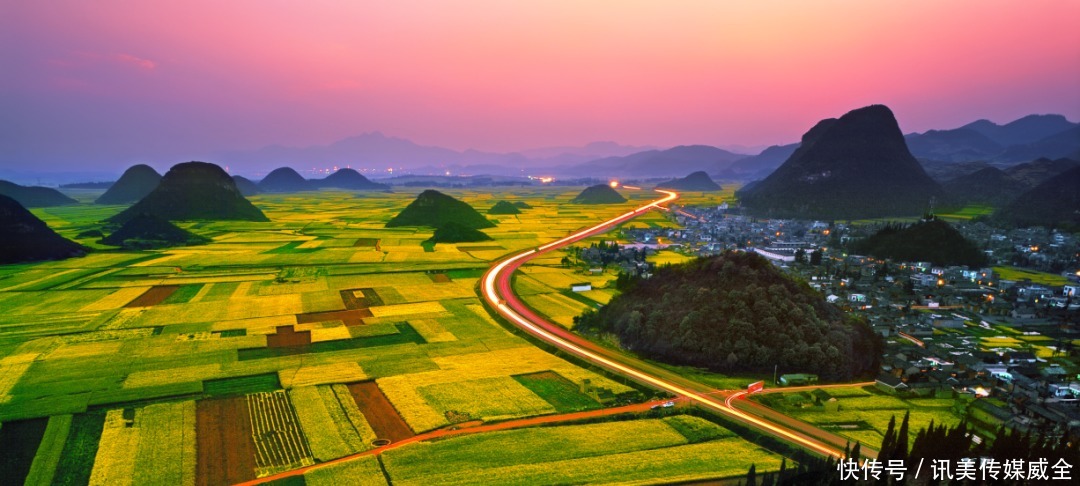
932,241
736,312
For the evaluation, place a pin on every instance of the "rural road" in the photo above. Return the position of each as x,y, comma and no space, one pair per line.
497,292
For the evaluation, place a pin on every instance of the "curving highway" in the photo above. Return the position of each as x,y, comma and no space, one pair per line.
497,291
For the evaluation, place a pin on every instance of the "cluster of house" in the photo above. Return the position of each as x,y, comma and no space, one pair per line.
1015,389
930,313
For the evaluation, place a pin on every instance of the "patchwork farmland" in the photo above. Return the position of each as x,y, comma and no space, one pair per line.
318,335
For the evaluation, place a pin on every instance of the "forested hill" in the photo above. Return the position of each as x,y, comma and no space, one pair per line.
932,241
736,312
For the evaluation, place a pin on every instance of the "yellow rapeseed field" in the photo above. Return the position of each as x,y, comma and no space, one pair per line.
116,299
114,463
364,471
487,399
11,369
343,372
166,444
408,309
327,435
432,331
403,390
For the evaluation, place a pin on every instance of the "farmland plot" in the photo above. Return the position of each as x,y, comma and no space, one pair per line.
166,444
331,429
279,443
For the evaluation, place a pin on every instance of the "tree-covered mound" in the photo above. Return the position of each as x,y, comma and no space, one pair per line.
285,179
246,186
34,196
599,194
135,184
697,181
504,207
194,191
522,205
926,241
145,231
350,179
457,233
27,238
435,209
736,312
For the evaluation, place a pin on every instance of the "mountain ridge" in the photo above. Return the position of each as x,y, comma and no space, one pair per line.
857,166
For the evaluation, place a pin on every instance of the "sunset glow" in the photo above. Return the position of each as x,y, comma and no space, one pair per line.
116,81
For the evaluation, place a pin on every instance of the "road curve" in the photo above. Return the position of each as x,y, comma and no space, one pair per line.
497,292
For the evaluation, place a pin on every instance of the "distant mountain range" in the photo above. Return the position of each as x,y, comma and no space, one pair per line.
1022,140
658,163
982,183
377,151
1026,139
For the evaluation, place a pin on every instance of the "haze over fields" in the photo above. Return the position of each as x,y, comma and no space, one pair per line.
96,88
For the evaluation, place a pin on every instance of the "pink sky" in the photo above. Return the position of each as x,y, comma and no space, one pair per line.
131,79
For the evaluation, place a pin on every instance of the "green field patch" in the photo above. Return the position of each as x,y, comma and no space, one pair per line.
19,442
466,273
183,294
485,399
360,298
362,471
376,329
290,248
400,363
561,393
228,333
1017,274
366,242
968,212
80,449
389,295
48,454
579,297
697,429
241,385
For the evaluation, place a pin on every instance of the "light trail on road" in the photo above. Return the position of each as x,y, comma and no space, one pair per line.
497,292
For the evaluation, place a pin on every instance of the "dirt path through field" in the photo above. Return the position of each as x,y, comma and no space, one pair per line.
459,430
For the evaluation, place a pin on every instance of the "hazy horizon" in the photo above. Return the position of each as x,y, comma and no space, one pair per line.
103,86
